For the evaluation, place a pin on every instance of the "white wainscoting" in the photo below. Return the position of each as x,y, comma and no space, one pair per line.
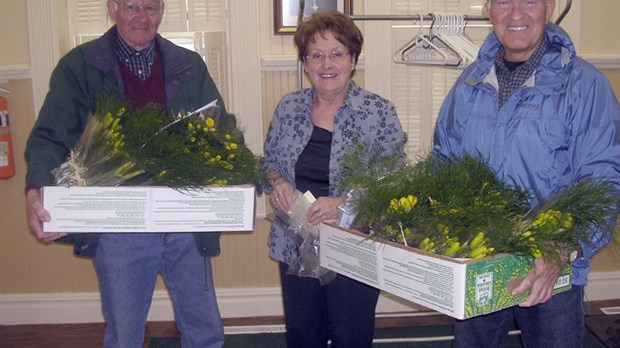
234,303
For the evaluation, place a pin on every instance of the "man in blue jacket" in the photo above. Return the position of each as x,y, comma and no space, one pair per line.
544,119
133,59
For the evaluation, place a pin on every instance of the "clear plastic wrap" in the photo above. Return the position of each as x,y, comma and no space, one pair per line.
306,238
148,146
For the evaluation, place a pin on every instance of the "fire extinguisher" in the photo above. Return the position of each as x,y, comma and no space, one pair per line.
7,163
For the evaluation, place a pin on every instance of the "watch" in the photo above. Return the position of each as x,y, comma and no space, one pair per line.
576,253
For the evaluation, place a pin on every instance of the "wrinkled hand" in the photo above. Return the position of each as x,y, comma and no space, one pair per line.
36,215
282,195
324,208
540,281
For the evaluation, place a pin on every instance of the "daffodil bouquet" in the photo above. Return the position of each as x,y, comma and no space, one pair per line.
459,208
145,146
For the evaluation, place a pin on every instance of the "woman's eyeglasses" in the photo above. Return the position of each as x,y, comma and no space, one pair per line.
319,57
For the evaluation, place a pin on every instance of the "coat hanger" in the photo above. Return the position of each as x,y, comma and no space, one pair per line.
436,35
470,48
425,50
448,33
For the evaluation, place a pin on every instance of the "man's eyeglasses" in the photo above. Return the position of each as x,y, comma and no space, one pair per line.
319,57
522,3
134,9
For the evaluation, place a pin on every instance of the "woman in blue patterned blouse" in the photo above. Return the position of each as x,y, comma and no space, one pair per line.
310,131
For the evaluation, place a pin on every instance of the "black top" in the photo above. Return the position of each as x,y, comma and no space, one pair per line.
312,168
512,66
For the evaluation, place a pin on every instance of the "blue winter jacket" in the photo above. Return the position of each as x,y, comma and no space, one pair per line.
560,127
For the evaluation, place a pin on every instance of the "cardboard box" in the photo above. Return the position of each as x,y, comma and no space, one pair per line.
143,209
456,287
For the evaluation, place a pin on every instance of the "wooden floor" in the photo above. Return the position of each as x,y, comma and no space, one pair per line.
90,335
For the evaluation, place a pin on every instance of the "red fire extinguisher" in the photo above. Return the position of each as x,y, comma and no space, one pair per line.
7,163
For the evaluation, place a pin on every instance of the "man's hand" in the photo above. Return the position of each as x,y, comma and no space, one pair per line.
540,281
36,215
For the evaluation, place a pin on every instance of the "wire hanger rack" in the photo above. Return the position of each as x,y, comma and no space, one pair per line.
415,17
429,17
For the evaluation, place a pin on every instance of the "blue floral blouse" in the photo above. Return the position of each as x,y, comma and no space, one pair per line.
363,116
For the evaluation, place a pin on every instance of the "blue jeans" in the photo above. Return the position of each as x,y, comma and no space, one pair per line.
342,310
127,266
558,322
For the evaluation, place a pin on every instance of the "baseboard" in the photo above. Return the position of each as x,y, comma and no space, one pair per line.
16,309
603,286
61,308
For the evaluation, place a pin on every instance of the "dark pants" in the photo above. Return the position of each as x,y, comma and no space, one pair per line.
558,322
343,310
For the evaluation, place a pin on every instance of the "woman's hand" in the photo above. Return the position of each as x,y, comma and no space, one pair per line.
282,195
324,208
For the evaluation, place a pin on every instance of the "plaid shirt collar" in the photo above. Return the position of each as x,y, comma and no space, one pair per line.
138,62
511,80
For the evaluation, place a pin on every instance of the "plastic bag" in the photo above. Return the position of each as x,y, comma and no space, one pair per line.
306,238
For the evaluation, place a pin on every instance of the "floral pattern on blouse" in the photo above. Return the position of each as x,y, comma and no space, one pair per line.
363,116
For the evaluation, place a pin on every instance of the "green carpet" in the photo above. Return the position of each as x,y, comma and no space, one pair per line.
260,340
419,337
439,336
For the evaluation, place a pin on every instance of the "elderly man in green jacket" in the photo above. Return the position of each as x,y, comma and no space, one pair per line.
134,59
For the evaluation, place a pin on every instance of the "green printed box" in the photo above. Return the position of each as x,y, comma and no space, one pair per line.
457,287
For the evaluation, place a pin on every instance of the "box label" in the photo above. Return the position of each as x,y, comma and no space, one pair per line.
351,255
418,278
141,209
484,288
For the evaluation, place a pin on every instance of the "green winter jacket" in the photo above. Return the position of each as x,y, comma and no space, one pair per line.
79,80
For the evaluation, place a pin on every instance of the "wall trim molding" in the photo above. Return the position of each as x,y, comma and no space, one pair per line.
603,286
17,309
603,61
15,72
289,63
63,308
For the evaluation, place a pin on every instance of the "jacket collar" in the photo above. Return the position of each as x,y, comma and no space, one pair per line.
101,53
552,71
